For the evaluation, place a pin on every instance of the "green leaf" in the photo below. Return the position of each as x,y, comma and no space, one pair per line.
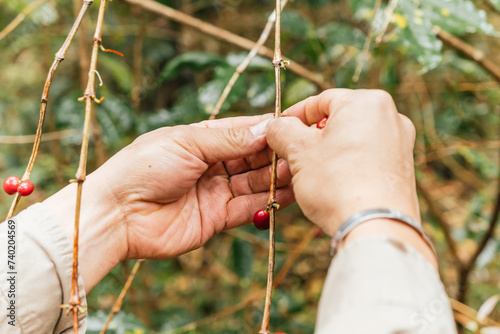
242,258
417,36
209,94
457,16
193,60
118,69
495,3
261,91
258,62
294,23
334,34
299,90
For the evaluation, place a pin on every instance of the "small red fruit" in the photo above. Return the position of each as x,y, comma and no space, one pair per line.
10,185
261,220
322,122
25,188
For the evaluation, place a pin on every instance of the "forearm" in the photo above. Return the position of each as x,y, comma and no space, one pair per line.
387,285
102,240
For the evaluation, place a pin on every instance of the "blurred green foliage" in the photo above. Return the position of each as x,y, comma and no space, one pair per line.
171,75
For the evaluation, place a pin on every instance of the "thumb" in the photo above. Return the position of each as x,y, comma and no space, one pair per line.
288,136
215,144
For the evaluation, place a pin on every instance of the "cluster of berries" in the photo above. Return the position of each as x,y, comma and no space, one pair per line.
261,217
13,185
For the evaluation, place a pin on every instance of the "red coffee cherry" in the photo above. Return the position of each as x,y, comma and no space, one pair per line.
261,220
322,122
10,185
25,188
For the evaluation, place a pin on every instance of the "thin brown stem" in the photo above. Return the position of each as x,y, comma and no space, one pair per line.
366,47
471,52
388,16
136,94
48,136
59,57
89,97
20,18
463,280
119,301
272,205
291,258
445,227
226,36
248,59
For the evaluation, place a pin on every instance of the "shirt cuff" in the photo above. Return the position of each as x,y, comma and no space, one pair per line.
379,285
43,267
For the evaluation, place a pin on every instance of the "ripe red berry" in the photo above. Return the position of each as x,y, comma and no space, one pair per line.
10,185
261,220
322,122
25,188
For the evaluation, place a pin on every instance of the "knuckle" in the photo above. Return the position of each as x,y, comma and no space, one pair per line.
408,127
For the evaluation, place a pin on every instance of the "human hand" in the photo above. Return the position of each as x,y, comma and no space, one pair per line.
169,191
361,160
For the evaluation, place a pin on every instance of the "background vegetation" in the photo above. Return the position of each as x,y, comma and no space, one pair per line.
173,74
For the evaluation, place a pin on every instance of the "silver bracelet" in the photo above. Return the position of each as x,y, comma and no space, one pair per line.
362,216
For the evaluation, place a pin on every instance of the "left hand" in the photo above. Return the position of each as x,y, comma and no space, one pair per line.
171,190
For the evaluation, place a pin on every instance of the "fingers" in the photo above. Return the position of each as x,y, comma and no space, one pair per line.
257,181
233,122
288,136
240,210
255,161
312,109
214,145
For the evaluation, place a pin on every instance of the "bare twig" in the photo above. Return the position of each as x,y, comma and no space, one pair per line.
292,257
20,18
49,136
227,36
471,52
388,16
89,97
464,273
138,59
119,301
272,205
83,61
445,227
59,57
248,59
366,47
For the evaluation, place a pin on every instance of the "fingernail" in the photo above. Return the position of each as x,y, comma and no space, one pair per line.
260,129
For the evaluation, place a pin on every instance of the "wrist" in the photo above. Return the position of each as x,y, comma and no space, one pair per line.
102,239
393,229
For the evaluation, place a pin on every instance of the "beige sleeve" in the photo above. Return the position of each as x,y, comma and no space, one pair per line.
379,286
37,280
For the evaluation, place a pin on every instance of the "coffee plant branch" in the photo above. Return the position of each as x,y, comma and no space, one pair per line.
445,227
59,57
20,18
227,36
248,59
479,57
292,257
89,97
272,205
468,50
366,47
119,301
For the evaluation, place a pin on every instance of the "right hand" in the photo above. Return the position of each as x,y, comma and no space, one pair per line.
361,160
